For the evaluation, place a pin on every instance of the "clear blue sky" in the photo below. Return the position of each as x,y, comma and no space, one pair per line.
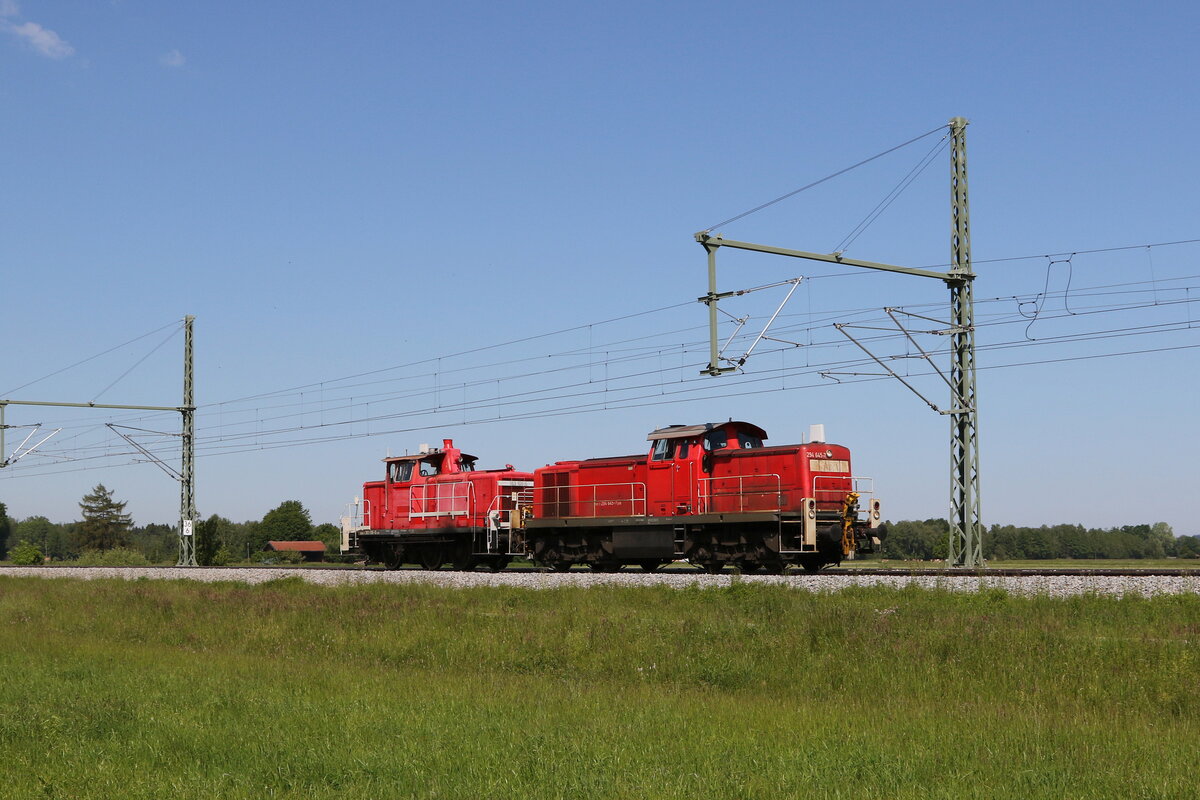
337,190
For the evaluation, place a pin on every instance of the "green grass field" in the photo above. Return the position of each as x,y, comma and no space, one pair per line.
154,689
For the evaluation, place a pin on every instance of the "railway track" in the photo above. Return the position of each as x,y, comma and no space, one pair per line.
1008,572
1046,582
687,571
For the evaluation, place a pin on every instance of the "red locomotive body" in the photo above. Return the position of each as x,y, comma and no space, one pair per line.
712,494
435,507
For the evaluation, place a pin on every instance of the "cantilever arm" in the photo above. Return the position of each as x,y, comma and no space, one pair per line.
832,258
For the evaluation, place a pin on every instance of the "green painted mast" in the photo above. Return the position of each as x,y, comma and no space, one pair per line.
187,471
966,530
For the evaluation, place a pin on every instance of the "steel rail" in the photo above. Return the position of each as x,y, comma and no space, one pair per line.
948,572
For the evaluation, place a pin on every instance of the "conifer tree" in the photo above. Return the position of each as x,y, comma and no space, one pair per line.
105,524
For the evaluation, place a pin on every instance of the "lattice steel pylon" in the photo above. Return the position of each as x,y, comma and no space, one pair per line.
966,531
187,487
187,471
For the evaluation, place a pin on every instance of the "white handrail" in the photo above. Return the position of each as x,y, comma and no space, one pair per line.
863,486
439,496
707,497
634,500
357,519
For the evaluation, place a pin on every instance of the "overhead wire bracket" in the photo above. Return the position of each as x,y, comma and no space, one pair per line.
957,401
164,466
710,299
17,454
741,322
841,327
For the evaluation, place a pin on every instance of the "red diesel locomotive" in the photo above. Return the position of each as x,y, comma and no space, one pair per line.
712,494
435,507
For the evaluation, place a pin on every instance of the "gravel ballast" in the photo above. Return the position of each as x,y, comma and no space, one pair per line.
1056,585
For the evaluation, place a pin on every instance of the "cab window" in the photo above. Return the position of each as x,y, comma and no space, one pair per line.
663,448
715,440
748,440
402,471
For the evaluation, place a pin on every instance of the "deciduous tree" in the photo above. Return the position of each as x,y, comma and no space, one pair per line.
26,555
212,536
49,537
5,530
331,535
1161,541
290,521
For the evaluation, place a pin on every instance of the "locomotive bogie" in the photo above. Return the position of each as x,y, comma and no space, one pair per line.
758,541
461,549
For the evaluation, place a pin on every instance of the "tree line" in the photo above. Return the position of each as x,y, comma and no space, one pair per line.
930,539
106,527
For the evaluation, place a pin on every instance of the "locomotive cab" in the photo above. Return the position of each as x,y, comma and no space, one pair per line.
681,462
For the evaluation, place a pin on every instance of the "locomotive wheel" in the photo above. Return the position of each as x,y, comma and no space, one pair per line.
497,563
713,567
550,557
650,564
748,567
394,558
606,567
774,567
465,563
812,565
430,558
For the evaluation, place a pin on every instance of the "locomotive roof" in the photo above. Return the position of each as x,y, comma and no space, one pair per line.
683,431
432,454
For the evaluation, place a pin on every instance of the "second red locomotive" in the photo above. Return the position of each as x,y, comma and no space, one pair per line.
712,494
435,507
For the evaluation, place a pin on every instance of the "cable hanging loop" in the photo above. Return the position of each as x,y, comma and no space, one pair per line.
1039,300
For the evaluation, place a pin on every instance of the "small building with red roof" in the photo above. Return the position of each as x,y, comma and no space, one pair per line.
311,551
